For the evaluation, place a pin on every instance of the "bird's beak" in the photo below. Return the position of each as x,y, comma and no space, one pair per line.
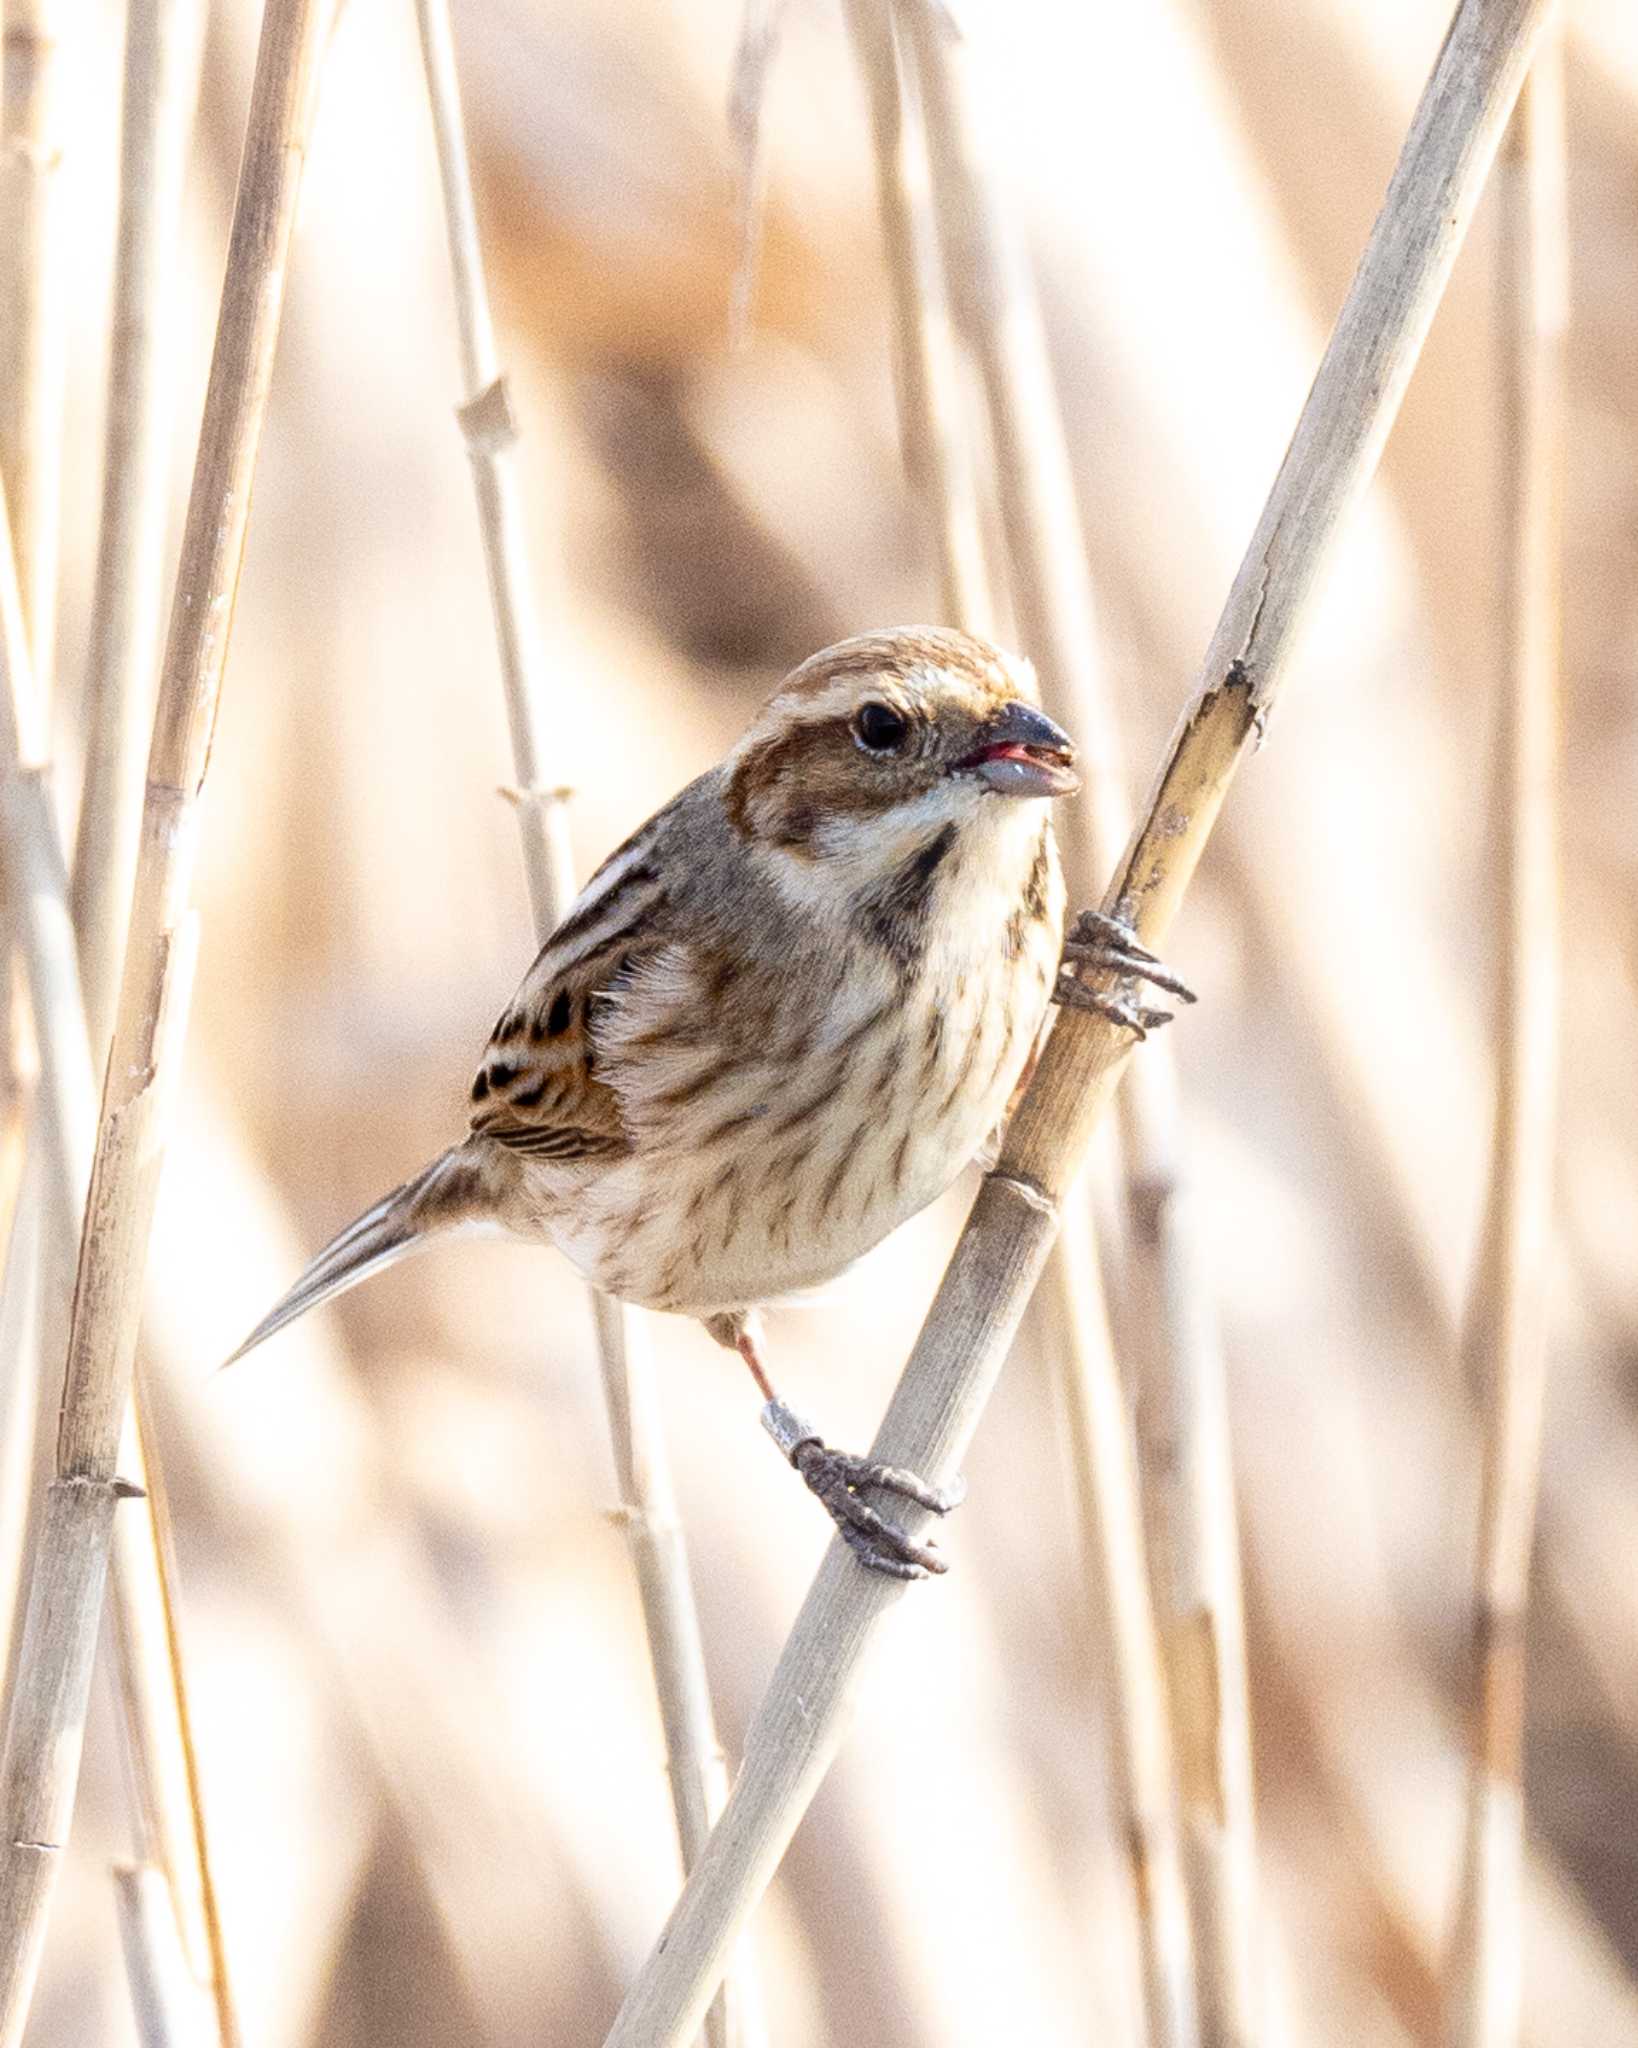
1022,753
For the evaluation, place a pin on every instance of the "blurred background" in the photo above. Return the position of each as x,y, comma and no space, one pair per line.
429,1746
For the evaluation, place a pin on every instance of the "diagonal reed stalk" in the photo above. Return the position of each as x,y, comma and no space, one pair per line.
47,1714
1332,457
648,1513
1189,1656
1505,1340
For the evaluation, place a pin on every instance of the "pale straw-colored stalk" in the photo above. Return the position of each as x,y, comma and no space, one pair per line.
33,278
168,1819
156,124
166,2005
47,1713
1333,454
1189,1550
648,1512
1505,1340
926,367
156,121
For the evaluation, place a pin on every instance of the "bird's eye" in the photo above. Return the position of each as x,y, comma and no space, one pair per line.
879,728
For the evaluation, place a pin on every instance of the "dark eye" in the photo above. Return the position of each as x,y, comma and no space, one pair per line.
880,728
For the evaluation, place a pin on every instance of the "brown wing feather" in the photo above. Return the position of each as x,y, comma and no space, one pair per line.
537,1090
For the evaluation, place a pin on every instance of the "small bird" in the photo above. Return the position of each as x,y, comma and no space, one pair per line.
780,1019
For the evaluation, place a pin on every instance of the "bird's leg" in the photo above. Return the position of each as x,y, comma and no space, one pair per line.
839,1477
1110,945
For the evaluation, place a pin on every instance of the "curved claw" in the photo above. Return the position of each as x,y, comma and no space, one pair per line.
837,1479
1111,945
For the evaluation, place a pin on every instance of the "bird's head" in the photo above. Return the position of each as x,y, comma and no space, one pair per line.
882,743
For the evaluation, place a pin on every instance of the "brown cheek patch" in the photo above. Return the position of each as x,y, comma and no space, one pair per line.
784,789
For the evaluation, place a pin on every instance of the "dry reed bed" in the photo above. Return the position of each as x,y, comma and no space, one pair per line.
396,1561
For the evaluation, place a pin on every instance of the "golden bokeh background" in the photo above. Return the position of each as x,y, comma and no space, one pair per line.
430,1751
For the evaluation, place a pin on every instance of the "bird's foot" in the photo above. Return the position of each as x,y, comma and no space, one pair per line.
838,1477
1098,943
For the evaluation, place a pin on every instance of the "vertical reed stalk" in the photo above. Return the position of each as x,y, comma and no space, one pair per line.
46,1720
156,124
165,2001
1103,1464
1332,457
926,367
697,1769
1505,1341
156,119
32,279
1191,1537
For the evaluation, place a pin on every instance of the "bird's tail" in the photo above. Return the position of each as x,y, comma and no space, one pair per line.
443,1196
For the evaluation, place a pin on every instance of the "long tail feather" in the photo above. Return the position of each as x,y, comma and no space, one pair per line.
438,1199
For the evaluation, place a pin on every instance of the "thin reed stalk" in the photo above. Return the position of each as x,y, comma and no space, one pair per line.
1103,1464
1505,1340
32,280
694,1757
47,1713
160,77
166,2005
1189,1548
926,367
156,124
1332,457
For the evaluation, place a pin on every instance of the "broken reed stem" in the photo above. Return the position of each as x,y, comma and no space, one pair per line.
1188,1552
1505,1341
926,369
694,1757
1332,457
47,1714
31,316
156,123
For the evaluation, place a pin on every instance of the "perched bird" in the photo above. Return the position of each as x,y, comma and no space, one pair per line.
780,1019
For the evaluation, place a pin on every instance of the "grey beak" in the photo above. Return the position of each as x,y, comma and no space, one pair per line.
1024,754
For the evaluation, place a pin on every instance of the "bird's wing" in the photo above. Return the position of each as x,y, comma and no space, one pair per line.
537,1090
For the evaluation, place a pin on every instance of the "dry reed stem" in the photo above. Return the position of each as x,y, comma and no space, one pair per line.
1332,457
694,1757
156,122
1188,1498
47,1714
160,77
32,280
754,52
926,369
1505,1341
150,1691
165,2001
67,1110
1103,1464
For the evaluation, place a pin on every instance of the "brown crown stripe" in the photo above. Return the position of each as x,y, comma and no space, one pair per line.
889,654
